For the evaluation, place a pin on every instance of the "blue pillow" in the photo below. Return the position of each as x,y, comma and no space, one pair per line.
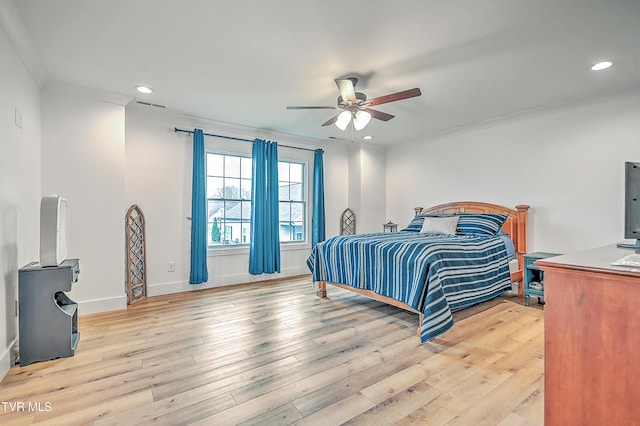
416,222
508,242
415,225
480,223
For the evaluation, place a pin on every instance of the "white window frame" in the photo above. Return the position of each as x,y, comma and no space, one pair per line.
304,202
241,232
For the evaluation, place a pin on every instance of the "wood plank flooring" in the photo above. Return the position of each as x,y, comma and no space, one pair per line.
274,354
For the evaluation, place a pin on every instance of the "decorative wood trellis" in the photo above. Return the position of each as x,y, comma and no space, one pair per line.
348,222
136,260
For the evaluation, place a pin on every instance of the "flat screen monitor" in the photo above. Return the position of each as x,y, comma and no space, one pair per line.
632,204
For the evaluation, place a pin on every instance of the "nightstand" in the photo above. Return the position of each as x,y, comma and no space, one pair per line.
533,276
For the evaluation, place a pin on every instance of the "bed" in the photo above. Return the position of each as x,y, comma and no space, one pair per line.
432,267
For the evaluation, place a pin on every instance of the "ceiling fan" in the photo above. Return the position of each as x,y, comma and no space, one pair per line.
356,106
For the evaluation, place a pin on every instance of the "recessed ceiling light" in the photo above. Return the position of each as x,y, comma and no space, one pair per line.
368,137
144,89
603,65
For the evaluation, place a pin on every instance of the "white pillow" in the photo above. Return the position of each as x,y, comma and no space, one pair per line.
440,225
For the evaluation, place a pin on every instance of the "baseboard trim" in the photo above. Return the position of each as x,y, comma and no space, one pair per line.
102,305
7,359
160,289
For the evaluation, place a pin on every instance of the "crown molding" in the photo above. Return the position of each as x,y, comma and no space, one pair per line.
67,89
16,32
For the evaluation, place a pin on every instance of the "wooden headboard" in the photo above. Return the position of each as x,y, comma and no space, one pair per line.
515,226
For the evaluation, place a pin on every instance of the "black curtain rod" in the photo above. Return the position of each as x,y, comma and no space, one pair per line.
240,139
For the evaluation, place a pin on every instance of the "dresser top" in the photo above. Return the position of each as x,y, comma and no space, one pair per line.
35,266
596,259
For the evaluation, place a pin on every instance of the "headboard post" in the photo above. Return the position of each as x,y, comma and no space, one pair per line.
523,218
521,249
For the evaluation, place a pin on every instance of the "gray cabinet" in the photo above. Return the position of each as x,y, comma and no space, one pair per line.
48,318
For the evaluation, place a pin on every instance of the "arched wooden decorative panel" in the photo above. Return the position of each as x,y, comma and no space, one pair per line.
348,222
136,258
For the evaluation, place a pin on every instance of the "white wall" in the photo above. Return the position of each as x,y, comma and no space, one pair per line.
354,183
83,161
367,186
19,187
565,161
158,179
373,189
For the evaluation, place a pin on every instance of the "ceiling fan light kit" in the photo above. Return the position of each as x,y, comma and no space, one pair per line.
343,120
361,119
356,107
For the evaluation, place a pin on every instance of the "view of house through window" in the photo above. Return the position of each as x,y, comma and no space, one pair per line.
229,200
291,196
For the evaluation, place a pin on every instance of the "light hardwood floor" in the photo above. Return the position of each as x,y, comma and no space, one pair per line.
276,355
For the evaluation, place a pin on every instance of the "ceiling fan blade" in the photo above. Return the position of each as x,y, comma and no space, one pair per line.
405,94
346,90
332,120
379,114
312,107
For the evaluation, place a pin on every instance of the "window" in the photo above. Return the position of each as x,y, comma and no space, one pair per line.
291,196
229,200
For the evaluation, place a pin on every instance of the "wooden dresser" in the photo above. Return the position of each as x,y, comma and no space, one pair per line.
592,339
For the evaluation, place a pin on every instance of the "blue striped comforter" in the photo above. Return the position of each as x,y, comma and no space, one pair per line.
433,273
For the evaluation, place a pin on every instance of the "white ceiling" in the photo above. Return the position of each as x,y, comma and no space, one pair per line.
244,61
